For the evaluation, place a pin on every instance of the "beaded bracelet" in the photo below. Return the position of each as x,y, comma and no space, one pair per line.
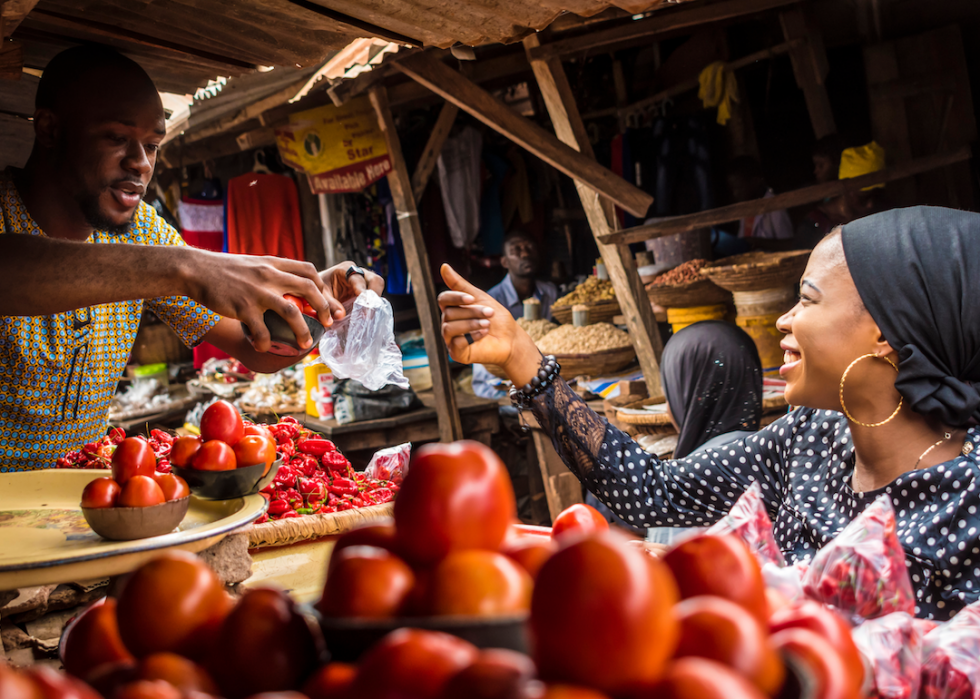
547,374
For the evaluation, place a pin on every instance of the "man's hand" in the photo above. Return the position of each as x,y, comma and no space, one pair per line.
342,288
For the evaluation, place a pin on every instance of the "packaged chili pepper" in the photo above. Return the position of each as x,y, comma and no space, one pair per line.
892,647
951,658
390,464
749,521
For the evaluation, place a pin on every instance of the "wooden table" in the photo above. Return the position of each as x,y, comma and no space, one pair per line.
479,416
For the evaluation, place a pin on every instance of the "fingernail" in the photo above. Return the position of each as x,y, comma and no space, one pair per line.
484,323
487,311
468,299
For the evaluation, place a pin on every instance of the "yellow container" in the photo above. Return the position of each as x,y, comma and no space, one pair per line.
762,330
316,376
680,318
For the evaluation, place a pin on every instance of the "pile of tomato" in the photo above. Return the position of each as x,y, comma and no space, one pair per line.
135,481
226,442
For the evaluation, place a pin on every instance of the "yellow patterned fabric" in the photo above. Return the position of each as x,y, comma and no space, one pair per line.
58,372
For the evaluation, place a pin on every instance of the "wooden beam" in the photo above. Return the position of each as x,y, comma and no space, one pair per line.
471,98
787,200
810,68
423,288
662,22
430,155
12,13
11,60
633,301
370,29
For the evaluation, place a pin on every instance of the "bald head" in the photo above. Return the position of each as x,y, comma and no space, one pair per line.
83,74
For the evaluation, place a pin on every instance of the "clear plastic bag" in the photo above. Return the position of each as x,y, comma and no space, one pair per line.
749,521
951,658
390,464
361,346
786,581
862,572
892,646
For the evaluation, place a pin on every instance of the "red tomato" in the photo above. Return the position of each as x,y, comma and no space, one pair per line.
252,450
697,678
478,583
253,430
184,449
380,535
141,491
133,457
264,645
332,681
411,663
92,640
828,624
184,674
174,603
722,566
817,659
495,674
15,685
102,492
578,519
173,486
108,679
149,689
601,615
366,583
567,691
455,496
720,630
214,455
529,552
58,685
222,421
300,303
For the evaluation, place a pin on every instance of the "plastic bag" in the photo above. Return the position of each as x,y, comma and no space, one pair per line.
354,402
786,581
361,346
749,521
390,464
862,572
951,658
892,645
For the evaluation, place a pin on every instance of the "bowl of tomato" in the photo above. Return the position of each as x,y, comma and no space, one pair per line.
129,523
229,484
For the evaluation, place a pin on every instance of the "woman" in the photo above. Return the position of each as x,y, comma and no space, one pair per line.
886,331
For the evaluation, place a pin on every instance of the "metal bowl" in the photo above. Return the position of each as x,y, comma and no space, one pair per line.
228,485
129,523
284,341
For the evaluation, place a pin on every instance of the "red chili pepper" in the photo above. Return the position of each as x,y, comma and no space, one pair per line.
382,495
343,486
117,435
315,446
263,519
343,505
278,507
288,420
335,461
290,515
163,466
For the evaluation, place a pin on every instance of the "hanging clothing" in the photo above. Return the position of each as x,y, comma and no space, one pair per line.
263,216
459,179
718,89
202,223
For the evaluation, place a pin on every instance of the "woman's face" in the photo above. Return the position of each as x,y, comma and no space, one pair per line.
825,331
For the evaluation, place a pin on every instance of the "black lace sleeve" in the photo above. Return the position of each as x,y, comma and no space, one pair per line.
646,491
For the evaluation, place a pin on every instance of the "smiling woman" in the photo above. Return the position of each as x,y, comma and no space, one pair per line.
891,291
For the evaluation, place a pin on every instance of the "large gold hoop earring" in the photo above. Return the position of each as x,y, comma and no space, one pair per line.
841,393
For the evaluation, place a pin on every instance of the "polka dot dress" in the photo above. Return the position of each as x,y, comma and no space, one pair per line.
59,372
803,463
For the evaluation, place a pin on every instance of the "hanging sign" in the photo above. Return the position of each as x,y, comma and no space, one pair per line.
340,148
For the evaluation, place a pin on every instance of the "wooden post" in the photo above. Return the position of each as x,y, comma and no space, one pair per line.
450,427
633,301
810,68
430,155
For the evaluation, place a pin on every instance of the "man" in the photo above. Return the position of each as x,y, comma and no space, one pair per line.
520,259
80,251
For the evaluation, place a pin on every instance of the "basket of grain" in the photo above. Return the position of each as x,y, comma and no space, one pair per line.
591,350
684,287
536,329
755,271
595,293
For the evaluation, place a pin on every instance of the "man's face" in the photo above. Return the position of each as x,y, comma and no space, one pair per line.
520,257
823,169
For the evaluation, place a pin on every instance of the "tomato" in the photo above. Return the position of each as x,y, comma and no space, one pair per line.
722,566
264,645
478,583
133,457
601,615
379,535
495,674
58,685
149,689
529,552
14,685
141,491
720,630
366,583
108,679
173,486
253,450
277,695
92,640
697,678
578,519
253,430
332,681
184,449
827,674
174,603
567,691
827,623
455,496
411,663
214,455
222,421
304,307
102,492
184,674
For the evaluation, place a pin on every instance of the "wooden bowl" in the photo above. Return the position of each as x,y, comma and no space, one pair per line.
755,271
699,292
129,523
284,341
228,485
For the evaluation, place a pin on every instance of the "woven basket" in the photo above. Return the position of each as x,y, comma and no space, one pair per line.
698,292
596,363
755,271
600,312
280,532
653,423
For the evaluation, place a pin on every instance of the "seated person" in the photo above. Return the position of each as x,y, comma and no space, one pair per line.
819,221
856,162
746,181
521,258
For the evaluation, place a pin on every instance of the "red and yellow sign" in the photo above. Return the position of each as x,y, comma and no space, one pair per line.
340,148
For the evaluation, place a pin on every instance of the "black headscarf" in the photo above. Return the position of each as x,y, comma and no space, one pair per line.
712,378
918,272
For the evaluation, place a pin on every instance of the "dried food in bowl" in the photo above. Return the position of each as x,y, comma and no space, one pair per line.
129,523
228,485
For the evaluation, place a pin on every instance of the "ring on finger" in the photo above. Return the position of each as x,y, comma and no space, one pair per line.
469,338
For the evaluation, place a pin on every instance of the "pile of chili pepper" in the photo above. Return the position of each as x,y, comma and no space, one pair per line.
315,478
98,454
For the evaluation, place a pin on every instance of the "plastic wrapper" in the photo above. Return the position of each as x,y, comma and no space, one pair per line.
892,647
951,658
862,572
390,464
749,521
786,581
361,346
